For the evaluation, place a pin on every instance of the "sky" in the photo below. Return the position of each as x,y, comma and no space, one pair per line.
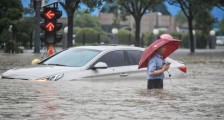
216,12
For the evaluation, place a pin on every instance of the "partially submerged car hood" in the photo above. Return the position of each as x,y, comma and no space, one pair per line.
36,72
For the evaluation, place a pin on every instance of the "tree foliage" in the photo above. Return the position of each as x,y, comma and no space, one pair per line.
89,36
113,8
10,12
162,8
70,6
125,37
216,3
29,11
110,7
24,34
137,8
180,19
86,20
203,22
191,9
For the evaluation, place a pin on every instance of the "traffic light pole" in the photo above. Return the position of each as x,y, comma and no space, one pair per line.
37,28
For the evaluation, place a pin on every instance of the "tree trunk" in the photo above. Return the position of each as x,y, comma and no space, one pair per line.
37,28
192,43
137,31
31,39
70,30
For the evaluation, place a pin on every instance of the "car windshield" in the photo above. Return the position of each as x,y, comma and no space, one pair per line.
72,57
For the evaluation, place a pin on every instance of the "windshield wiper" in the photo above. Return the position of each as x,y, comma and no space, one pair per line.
56,64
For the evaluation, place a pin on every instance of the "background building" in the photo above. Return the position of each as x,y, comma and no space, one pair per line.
149,22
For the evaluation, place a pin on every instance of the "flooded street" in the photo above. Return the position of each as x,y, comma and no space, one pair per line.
199,96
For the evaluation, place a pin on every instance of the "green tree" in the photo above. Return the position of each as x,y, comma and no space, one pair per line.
162,8
25,34
192,8
216,3
203,22
113,8
89,36
10,12
70,6
88,29
110,7
180,19
125,37
86,20
137,8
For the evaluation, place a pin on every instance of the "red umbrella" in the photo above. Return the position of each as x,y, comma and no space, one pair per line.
170,44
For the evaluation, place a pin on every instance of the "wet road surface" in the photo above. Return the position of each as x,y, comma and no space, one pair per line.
199,96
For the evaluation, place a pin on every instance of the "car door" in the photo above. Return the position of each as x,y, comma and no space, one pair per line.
115,66
132,58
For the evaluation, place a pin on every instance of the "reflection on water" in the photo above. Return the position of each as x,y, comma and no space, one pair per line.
200,96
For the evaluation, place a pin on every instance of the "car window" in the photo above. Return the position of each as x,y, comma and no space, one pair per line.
112,59
73,57
133,57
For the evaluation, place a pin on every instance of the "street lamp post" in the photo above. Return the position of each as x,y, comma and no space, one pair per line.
65,38
158,20
73,39
10,30
195,39
212,41
155,34
114,32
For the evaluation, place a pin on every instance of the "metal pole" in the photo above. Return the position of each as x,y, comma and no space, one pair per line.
37,27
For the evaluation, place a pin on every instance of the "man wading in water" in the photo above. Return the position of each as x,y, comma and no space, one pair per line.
156,69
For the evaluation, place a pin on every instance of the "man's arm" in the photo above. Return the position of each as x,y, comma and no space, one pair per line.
156,72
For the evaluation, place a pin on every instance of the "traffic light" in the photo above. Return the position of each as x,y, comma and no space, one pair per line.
50,26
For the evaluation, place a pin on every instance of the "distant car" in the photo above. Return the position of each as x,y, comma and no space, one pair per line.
90,62
220,40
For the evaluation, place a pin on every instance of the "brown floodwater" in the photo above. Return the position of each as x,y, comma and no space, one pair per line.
199,96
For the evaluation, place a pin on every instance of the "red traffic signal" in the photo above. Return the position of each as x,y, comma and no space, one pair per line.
50,26
49,14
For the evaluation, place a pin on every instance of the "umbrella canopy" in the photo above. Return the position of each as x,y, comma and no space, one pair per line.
167,40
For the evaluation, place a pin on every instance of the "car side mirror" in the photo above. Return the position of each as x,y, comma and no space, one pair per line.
100,65
35,61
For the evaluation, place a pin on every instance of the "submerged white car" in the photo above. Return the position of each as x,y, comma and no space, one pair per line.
90,62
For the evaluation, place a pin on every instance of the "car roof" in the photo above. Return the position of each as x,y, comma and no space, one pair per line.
111,47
